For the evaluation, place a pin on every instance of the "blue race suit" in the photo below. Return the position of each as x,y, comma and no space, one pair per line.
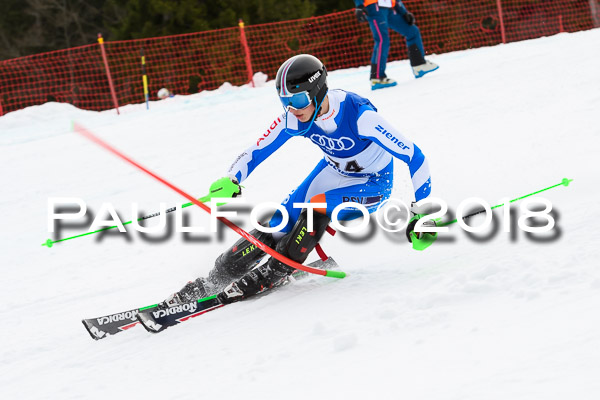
358,145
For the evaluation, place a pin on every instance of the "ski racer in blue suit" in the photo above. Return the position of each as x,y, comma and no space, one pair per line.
358,147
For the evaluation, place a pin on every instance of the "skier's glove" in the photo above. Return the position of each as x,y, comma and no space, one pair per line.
404,13
409,18
419,240
361,14
225,187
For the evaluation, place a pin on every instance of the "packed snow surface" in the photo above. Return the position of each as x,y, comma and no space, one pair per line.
503,315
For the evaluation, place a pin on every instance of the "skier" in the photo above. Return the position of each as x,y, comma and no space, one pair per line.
382,15
358,146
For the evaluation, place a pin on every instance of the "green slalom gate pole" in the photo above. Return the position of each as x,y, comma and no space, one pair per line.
564,182
51,242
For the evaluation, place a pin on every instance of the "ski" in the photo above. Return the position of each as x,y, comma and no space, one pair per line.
101,327
108,325
157,320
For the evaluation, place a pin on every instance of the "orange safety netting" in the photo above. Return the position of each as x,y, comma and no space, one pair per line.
190,63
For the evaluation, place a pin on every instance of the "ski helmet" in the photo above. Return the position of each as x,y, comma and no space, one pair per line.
300,81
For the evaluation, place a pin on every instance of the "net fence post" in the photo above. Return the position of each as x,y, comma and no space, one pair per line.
246,53
595,11
500,17
110,81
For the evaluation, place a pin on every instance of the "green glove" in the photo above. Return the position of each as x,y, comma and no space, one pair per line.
225,187
419,240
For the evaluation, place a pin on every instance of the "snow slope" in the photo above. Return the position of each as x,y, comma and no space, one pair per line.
507,317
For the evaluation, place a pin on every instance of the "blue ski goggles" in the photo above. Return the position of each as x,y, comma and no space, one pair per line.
298,101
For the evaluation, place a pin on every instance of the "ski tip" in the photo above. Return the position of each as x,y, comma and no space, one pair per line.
94,333
566,181
148,323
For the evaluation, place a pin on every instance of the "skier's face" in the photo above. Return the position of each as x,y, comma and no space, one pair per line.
303,115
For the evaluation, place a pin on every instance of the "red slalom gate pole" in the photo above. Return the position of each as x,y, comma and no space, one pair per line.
88,135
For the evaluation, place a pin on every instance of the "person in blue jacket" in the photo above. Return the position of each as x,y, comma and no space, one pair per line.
381,16
358,147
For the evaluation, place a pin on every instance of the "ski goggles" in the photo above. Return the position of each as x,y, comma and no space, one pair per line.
298,101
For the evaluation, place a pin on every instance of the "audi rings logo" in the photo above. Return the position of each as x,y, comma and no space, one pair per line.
333,144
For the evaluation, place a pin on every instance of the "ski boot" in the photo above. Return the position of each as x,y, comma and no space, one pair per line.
379,80
423,69
296,245
192,291
420,66
229,266
382,83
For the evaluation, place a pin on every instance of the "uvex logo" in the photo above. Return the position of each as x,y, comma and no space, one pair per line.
273,125
314,77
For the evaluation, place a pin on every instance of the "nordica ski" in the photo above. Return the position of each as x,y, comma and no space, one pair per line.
157,320
101,327
107,325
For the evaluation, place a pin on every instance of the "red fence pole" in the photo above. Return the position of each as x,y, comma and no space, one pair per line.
246,53
502,31
1,113
594,10
561,28
110,82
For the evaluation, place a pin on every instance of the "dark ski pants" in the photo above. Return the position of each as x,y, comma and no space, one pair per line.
381,19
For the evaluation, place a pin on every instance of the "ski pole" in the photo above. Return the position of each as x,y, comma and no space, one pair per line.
564,182
51,242
88,135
